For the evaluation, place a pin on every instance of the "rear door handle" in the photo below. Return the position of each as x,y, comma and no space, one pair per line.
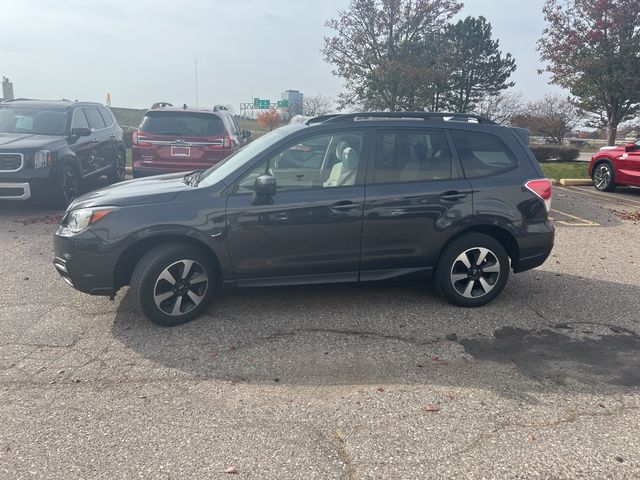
452,196
343,206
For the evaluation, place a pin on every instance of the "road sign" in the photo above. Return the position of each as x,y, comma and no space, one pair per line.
261,104
283,103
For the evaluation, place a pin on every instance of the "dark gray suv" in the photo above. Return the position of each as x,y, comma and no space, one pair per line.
346,198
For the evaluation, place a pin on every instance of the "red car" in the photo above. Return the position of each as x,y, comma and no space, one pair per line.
171,139
616,166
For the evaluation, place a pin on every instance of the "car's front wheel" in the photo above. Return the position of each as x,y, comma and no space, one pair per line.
68,186
472,270
603,177
173,284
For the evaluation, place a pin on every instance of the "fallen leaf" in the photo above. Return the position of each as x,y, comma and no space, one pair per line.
431,408
532,438
231,470
380,389
601,405
450,396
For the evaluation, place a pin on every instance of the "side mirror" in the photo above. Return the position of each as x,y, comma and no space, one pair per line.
630,147
246,133
266,185
80,132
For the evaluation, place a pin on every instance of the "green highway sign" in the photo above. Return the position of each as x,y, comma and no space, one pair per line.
283,103
261,104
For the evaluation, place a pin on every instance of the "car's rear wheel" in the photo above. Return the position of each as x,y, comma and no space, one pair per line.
68,186
173,284
472,270
117,172
603,177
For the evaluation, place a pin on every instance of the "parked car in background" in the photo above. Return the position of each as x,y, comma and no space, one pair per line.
48,148
616,166
357,197
172,139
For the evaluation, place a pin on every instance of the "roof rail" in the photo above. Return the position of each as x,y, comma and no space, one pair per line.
9,100
220,108
427,116
323,118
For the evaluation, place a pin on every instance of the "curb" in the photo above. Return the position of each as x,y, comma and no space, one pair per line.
576,182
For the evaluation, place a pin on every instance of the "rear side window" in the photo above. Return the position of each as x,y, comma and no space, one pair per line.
95,119
411,156
483,154
108,117
182,124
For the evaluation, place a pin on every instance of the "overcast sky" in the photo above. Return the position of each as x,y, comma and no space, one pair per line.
142,51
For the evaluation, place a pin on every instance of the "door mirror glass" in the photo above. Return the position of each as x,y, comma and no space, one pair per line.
246,133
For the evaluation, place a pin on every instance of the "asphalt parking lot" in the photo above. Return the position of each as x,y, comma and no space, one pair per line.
348,381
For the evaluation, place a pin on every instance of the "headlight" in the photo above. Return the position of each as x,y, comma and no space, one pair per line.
77,221
43,159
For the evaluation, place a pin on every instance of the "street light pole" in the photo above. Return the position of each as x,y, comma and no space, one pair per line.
196,83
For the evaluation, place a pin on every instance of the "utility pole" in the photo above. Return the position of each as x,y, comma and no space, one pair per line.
196,83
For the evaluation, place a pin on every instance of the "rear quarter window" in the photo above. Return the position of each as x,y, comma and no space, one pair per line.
483,154
182,124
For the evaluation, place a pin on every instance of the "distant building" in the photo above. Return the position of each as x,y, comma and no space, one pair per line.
295,99
7,89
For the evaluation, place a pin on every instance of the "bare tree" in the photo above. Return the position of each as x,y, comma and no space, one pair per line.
551,118
316,105
501,108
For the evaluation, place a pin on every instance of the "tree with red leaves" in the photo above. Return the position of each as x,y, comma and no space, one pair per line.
592,48
269,119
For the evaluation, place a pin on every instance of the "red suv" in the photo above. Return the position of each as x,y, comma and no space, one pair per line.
616,166
171,139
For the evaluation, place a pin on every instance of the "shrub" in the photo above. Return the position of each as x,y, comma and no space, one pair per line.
551,153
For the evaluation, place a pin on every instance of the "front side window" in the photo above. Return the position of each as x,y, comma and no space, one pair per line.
79,119
411,156
483,154
325,160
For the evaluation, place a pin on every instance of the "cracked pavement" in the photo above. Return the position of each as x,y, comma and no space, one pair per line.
348,381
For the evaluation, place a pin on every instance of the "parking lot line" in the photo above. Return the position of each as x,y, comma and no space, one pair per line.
582,221
628,202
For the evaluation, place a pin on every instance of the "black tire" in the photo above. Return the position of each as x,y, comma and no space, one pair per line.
603,177
118,172
67,186
493,270
148,284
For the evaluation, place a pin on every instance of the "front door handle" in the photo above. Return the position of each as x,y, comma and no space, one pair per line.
343,206
452,196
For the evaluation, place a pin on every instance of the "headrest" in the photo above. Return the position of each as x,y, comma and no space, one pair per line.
340,148
350,158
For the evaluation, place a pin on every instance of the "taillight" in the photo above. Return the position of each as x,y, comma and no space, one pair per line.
135,139
226,143
542,189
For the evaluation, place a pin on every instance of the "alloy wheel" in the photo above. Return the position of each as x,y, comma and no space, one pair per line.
69,185
120,166
475,272
602,177
181,287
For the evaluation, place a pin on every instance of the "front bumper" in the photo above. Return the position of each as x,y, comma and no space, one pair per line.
83,266
15,191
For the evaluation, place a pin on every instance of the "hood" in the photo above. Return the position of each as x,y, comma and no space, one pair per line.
162,188
19,141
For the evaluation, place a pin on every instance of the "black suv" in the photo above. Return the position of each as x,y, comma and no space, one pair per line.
47,148
347,198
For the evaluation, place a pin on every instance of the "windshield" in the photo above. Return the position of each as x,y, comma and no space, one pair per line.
36,121
218,172
182,124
